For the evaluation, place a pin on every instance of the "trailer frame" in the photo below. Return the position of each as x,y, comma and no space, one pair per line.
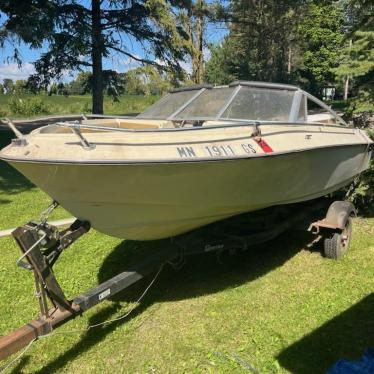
41,244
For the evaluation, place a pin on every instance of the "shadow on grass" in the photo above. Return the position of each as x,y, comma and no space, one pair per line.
201,275
20,365
345,336
11,181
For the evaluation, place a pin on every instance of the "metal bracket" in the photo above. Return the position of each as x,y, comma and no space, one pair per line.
20,141
76,129
256,130
85,143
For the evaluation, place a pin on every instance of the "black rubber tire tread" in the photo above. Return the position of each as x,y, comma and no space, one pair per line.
333,247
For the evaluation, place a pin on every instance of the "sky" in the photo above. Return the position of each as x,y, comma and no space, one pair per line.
118,62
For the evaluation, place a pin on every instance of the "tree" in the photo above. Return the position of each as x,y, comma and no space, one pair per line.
193,21
357,62
258,44
82,84
146,80
224,64
357,58
79,37
322,35
20,87
8,86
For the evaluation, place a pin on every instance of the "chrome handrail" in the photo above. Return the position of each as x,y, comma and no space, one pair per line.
234,123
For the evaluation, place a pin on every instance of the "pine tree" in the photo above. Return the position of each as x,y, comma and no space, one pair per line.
260,44
357,58
79,36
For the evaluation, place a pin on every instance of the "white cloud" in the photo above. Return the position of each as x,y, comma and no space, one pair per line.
129,63
12,71
160,62
207,54
186,66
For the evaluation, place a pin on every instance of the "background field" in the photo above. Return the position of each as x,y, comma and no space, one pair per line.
279,307
19,106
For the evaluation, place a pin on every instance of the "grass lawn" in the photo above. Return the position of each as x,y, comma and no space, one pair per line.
278,307
127,105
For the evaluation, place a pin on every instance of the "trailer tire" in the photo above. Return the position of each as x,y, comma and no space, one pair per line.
337,246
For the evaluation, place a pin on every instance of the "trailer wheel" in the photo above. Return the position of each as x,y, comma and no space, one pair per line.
336,246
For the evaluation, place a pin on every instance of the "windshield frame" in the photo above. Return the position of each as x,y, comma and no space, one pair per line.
299,98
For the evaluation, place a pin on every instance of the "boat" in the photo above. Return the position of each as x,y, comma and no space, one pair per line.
199,155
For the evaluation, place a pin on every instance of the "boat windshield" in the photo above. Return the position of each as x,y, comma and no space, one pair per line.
238,101
247,103
165,107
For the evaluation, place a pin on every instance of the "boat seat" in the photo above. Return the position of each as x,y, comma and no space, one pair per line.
131,123
326,118
111,122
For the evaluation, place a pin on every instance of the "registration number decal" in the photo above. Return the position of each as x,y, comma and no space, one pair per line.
248,148
186,152
219,150
227,150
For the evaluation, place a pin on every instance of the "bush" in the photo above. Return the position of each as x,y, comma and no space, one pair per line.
28,107
363,194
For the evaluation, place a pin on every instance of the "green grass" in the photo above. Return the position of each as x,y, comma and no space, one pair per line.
127,104
279,307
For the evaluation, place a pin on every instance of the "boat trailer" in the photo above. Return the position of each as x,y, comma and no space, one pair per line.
41,244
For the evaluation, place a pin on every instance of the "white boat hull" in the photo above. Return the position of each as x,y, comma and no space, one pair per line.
145,201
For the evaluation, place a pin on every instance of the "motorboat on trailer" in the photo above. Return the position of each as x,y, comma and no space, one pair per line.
199,155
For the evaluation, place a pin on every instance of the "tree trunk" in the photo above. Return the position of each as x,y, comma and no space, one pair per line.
346,88
200,52
97,63
346,83
197,40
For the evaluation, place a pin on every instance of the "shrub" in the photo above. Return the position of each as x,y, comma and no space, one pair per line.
3,113
363,194
28,107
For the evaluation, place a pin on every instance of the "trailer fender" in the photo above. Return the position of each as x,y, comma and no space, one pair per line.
338,214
